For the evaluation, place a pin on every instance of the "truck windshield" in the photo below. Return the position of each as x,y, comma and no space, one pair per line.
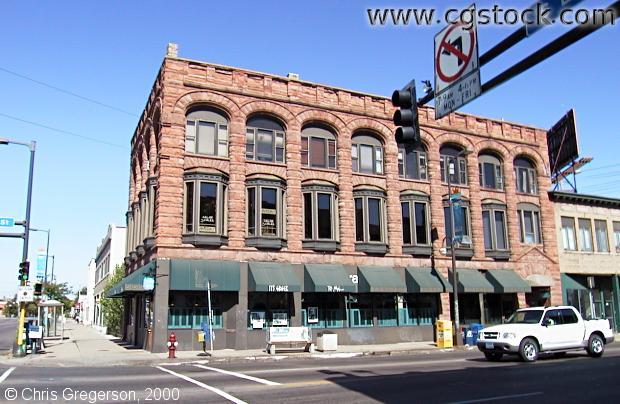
526,317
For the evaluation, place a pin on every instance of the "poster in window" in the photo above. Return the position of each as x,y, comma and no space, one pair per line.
280,319
257,319
313,315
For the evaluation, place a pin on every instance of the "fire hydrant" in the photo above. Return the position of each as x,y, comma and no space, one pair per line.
172,345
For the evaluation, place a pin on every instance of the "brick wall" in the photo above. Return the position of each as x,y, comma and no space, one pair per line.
181,84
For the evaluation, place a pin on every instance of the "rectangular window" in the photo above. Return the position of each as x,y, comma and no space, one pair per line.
268,212
190,136
304,150
318,152
412,164
526,180
617,236
458,168
374,219
189,207
487,230
568,234
324,215
359,219
354,158
406,221
585,235
462,223
422,165
500,230
279,147
206,138
331,154
252,211
208,208
421,229
249,144
222,146
366,159
308,215
528,228
489,175
264,145
602,240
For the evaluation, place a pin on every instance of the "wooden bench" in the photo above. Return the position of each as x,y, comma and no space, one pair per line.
289,337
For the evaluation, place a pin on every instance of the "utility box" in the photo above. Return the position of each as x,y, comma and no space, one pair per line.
327,341
444,333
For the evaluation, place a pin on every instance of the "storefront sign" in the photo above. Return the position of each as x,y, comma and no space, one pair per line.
278,288
331,288
354,279
148,283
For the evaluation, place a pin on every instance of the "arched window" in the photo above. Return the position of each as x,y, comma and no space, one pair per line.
370,220
412,161
206,132
525,174
366,153
204,213
264,139
449,156
490,171
318,147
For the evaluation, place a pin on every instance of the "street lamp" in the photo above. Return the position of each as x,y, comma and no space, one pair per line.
455,289
47,252
20,349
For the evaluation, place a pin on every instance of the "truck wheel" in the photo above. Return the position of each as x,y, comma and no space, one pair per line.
493,356
528,350
596,346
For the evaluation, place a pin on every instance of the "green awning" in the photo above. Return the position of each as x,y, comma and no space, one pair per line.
132,283
380,280
507,281
472,281
272,277
327,278
573,282
194,275
425,280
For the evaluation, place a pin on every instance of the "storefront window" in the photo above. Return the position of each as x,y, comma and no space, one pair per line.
267,309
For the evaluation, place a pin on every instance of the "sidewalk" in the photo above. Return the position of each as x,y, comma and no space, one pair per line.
84,346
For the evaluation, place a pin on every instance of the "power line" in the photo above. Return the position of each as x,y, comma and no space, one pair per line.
66,132
600,168
68,92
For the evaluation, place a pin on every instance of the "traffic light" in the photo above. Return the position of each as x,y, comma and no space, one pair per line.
407,116
38,289
24,270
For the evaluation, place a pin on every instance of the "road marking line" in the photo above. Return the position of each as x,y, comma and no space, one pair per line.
241,375
6,374
484,400
204,386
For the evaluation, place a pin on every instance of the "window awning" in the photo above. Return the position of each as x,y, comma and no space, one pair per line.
272,277
380,280
132,283
327,278
194,275
472,281
571,282
425,280
536,280
507,281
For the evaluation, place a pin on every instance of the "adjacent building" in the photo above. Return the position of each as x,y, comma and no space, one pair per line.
110,253
88,310
294,203
589,252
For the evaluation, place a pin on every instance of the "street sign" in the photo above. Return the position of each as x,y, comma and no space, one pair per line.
7,222
41,259
548,10
25,294
457,69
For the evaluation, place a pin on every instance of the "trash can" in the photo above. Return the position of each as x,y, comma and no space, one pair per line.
475,330
469,336
327,341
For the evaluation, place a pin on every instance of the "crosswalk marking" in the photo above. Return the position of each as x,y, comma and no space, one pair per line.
240,375
204,386
6,374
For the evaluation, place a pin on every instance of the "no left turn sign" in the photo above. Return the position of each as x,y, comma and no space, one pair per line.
456,54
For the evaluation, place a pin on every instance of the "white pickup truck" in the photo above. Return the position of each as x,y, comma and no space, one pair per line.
545,329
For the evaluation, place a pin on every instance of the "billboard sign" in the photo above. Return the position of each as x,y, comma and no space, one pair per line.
41,258
562,142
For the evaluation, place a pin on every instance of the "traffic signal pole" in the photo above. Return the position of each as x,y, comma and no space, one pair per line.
20,347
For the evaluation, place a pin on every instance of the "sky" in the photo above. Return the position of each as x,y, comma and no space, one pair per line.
58,55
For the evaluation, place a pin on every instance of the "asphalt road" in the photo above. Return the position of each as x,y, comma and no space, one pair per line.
8,328
438,377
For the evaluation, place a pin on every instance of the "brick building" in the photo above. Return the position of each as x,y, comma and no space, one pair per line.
293,199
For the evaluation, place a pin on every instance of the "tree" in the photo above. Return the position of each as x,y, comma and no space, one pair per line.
113,307
10,309
59,291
